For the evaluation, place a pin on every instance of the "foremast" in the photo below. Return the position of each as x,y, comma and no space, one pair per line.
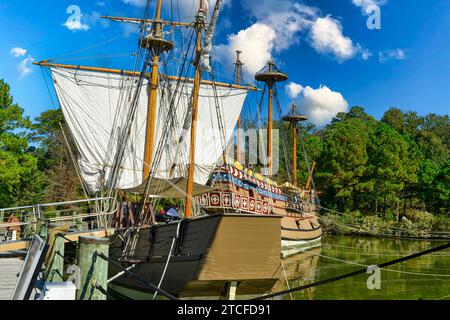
156,43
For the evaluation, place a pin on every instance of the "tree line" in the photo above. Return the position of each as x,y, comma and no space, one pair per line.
380,167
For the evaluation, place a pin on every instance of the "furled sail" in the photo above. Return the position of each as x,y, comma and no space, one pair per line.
96,105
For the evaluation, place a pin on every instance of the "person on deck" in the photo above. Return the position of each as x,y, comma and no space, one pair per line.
14,228
173,213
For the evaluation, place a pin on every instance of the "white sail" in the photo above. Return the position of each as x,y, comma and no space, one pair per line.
96,106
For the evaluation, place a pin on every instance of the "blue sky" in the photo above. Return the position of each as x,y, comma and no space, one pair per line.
333,59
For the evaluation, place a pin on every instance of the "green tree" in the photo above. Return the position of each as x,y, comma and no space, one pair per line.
20,180
344,162
394,163
55,160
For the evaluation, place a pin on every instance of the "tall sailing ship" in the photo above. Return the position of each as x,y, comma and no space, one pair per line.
153,136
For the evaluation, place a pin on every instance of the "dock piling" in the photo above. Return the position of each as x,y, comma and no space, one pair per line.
94,270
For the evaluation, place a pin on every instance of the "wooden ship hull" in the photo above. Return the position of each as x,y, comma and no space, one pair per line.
240,190
209,253
299,234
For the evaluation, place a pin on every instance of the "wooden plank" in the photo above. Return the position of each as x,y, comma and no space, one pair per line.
9,268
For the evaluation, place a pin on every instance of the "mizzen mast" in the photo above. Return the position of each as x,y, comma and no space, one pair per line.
293,117
238,72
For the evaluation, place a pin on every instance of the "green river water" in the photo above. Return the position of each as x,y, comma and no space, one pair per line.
426,277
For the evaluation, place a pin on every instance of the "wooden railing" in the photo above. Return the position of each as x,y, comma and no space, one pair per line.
79,215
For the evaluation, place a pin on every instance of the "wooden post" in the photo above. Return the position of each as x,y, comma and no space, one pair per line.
311,175
55,268
78,222
269,129
239,65
43,231
94,270
294,147
232,289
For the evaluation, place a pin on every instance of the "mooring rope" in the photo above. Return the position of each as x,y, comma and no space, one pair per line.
389,270
142,280
174,240
352,274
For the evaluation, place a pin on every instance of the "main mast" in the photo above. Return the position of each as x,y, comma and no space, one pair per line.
157,44
199,25
294,118
270,74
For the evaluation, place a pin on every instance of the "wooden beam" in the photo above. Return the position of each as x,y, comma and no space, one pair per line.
24,244
45,63
311,176
148,21
152,96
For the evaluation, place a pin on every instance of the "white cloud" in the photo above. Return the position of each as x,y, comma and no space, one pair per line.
286,23
18,52
293,90
276,30
188,8
327,38
256,44
130,28
365,54
136,3
320,105
75,25
25,66
367,6
78,21
388,55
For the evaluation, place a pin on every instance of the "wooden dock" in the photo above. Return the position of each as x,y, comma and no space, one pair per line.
9,267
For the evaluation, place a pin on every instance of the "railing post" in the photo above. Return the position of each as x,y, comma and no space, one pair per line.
78,222
38,212
42,228
94,270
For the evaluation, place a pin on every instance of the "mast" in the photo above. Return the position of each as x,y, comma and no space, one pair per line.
199,25
157,44
313,169
239,65
294,118
270,74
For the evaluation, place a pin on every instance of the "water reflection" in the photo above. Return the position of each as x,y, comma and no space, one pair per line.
427,277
